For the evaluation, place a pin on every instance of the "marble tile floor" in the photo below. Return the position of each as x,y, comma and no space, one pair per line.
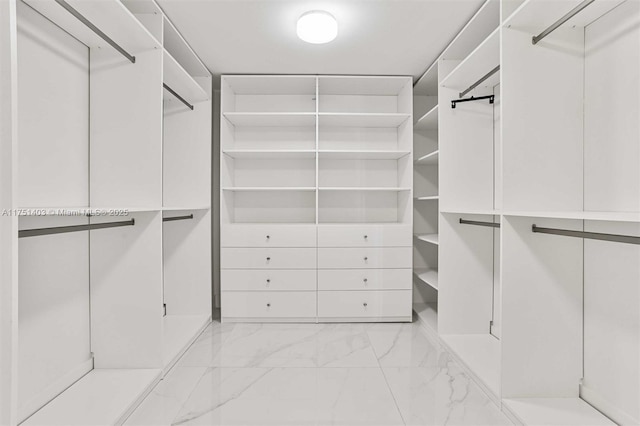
316,374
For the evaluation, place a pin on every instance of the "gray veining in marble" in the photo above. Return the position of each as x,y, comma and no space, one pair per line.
316,374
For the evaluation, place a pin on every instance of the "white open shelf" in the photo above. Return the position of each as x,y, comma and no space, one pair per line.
270,153
429,159
110,17
271,119
554,411
428,238
428,198
361,154
480,353
364,188
427,276
181,82
427,84
536,16
429,121
179,331
599,216
268,188
479,62
101,397
428,315
486,19
348,119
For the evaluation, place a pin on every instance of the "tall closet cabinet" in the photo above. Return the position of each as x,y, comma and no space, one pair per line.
106,250
538,143
316,198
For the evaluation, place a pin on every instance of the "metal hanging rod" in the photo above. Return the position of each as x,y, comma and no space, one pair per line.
628,239
479,98
171,219
477,223
477,83
74,228
180,98
561,21
96,30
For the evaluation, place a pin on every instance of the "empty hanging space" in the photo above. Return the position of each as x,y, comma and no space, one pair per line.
589,290
186,279
468,303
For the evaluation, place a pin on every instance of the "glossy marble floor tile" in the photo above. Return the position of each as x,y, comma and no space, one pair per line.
316,374
404,345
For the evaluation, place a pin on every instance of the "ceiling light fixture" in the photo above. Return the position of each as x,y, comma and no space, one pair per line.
317,27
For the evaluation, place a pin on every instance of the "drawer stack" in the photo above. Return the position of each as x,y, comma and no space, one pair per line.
364,272
268,272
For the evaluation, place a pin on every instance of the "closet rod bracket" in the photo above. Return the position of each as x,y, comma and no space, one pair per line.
565,18
471,99
96,30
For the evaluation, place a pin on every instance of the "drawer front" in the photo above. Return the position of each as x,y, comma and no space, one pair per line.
259,304
364,279
268,236
364,304
268,280
365,236
268,258
357,258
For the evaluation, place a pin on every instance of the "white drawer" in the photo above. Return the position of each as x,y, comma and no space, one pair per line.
268,235
259,304
266,280
356,258
364,279
365,236
268,258
365,304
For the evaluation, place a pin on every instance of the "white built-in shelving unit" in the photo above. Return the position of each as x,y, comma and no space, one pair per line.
316,198
103,309
551,147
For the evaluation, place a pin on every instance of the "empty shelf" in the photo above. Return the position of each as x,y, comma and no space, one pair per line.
361,155
428,238
428,276
362,119
429,121
600,216
270,153
110,17
268,188
181,82
102,397
272,119
429,159
428,198
428,315
555,411
479,62
363,188
536,16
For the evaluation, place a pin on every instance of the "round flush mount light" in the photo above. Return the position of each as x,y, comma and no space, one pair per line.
317,27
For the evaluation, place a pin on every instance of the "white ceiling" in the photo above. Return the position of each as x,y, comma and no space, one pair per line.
376,37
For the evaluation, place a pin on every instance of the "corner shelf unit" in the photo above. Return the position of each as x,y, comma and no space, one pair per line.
105,279
538,207
316,198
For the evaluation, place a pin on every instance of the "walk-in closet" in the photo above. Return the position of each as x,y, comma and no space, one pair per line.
274,212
